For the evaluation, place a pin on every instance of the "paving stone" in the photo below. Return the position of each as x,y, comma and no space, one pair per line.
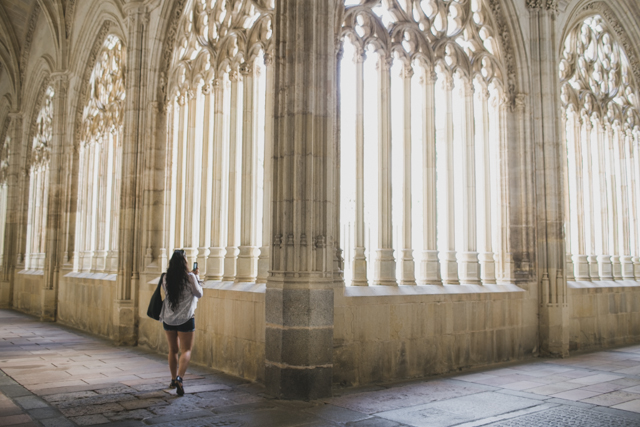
459,410
141,403
336,413
57,422
182,417
613,398
137,414
77,411
374,422
568,417
89,420
12,420
14,390
43,413
31,402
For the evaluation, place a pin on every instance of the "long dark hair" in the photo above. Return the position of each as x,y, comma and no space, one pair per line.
177,277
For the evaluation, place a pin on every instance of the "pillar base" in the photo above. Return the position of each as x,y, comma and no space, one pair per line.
247,264
593,267
230,263
5,295
384,272
124,315
636,267
570,268
215,264
616,267
408,268
49,305
554,330
263,264
359,268
430,269
469,268
507,269
203,256
296,383
487,268
628,272
605,269
449,268
299,341
581,264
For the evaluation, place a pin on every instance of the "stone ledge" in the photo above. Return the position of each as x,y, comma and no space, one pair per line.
32,272
93,276
403,290
603,284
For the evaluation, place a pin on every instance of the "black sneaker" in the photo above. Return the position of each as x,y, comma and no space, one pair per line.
173,384
179,387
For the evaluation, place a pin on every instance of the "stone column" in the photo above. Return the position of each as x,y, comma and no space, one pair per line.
587,173
605,269
188,172
468,266
125,310
248,251
429,264
235,155
359,266
408,265
300,289
580,259
569,267
100,254
554,310
215,262
54,238
267,182
385,263
14,233
483,178
448,255
621,155
206,179
612,183
635,160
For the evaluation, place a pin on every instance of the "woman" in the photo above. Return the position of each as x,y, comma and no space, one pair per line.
182,290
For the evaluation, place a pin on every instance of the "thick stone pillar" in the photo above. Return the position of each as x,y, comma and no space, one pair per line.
125,307
300,288
554,310
54,230
13,232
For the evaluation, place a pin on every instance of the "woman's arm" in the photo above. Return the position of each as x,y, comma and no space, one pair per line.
196,288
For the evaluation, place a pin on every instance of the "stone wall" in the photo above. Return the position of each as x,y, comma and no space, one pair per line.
410,332
27,291
604,314
229,328
86,302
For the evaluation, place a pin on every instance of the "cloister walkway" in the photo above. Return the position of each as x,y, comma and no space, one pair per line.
54,376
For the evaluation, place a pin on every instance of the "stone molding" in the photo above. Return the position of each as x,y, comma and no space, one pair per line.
68,16
26,49
551,5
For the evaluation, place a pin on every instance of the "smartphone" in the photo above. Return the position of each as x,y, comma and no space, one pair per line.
195,266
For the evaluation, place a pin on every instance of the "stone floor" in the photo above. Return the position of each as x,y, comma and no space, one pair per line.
54,376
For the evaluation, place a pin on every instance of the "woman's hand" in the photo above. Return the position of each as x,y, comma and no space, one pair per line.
196,271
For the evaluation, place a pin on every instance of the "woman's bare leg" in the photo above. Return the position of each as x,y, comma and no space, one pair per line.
172,340
186,343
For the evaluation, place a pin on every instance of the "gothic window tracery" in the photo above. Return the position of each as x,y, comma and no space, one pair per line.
219,100
422,91
601,125
100,154
39,184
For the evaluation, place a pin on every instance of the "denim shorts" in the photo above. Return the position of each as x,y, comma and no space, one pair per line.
188,326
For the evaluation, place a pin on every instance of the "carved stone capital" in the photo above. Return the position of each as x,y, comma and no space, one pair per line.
543,4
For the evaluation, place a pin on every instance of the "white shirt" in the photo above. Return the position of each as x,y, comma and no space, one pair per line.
186,305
